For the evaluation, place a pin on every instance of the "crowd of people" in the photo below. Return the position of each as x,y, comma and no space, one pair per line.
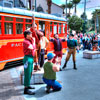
87,41
34,46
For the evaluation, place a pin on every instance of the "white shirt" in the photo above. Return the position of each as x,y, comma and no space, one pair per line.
43,42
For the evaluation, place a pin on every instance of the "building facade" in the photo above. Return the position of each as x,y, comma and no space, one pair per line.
36,5
55,9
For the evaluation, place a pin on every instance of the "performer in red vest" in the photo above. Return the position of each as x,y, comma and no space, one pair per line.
57,47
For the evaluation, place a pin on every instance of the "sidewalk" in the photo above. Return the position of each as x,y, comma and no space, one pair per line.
9,87
81,84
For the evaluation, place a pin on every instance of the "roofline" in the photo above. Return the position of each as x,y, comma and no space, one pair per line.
58,5
30,13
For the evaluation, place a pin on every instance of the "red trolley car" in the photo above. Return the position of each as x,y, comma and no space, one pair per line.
14,21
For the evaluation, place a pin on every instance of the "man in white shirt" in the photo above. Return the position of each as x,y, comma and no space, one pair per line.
43,44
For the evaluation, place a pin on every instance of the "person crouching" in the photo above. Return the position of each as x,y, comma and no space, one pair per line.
49,76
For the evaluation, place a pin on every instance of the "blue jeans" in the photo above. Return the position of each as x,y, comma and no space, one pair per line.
55,84
41,58
98,42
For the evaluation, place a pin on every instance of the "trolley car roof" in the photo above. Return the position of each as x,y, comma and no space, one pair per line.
30,13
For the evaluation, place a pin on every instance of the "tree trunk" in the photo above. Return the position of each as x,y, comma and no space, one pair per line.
95,27
49,9
69,11
75,9
49,2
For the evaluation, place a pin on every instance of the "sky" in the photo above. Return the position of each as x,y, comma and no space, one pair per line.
91,5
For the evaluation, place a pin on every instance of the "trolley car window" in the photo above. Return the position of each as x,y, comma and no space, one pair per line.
19,20
8,19
63,28
59,29
8,28
55,23
51,29
28,20
0,17
19,28
55,29
28,26
0,28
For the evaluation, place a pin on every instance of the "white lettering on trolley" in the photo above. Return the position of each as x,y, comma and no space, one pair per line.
16,44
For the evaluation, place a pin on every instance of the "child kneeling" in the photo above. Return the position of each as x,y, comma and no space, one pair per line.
49,76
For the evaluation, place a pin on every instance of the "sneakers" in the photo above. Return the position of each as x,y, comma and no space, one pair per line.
48,89
60,69
75,68
64,65
27,91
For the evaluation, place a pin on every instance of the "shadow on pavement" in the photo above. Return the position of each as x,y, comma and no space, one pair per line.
7,91
40,92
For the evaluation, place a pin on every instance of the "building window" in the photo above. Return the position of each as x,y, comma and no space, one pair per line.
8,28
19,28
16,3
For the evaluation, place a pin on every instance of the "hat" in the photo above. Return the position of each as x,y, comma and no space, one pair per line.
50,56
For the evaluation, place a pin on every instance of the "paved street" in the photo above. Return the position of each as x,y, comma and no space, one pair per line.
81,84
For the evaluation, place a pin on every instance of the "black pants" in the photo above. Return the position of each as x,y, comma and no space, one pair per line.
41,58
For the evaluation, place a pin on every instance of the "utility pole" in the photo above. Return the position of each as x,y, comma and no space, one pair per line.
84,16
66,16
35,5
66,9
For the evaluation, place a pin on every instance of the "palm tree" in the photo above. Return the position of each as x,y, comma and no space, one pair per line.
95,17
49,2
69,5
63,6
75,2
